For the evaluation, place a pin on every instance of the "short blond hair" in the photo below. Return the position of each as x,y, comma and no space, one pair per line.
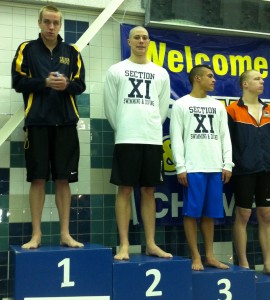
49,8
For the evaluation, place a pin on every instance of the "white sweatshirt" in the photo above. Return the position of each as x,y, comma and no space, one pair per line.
136,101
200,138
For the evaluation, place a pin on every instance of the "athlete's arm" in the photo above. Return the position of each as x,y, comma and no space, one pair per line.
182,179
226,176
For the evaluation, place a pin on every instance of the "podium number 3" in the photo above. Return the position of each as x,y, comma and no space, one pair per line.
66,276
226,290
150,292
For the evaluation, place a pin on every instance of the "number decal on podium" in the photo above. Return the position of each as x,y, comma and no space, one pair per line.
226,289
66,265
157,276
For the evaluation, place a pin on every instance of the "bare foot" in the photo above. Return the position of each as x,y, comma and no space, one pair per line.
34,243
156,251
244,266
266,269
197,264
213,262
123,253
243,262
68,241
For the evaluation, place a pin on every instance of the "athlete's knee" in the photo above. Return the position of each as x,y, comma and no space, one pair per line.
148,190
61,184
242,215
147,193
39,183
263,214
125,191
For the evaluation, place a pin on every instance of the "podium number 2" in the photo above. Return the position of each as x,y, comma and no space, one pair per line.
66,278
150,292
226,289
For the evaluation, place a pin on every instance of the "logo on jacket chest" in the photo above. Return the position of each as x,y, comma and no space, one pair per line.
266,114
64,60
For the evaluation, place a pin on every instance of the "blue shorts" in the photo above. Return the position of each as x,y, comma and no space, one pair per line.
204,195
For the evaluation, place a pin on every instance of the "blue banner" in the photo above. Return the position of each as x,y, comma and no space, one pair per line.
178,52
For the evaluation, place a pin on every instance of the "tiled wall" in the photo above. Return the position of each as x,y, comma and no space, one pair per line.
92,212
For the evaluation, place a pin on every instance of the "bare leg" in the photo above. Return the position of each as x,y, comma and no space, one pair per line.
36,200
63,201
207,228
148,213
242,216
191,231
123,214
263,215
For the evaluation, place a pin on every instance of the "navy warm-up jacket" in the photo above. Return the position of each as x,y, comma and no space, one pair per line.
31,66
250,140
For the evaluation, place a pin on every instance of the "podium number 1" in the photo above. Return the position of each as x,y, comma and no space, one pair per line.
66,278
157,276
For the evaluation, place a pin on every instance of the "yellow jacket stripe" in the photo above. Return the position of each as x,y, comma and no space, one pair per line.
20,59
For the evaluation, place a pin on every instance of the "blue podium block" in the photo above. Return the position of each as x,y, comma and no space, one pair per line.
262,287
144,277
213,284
62,273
